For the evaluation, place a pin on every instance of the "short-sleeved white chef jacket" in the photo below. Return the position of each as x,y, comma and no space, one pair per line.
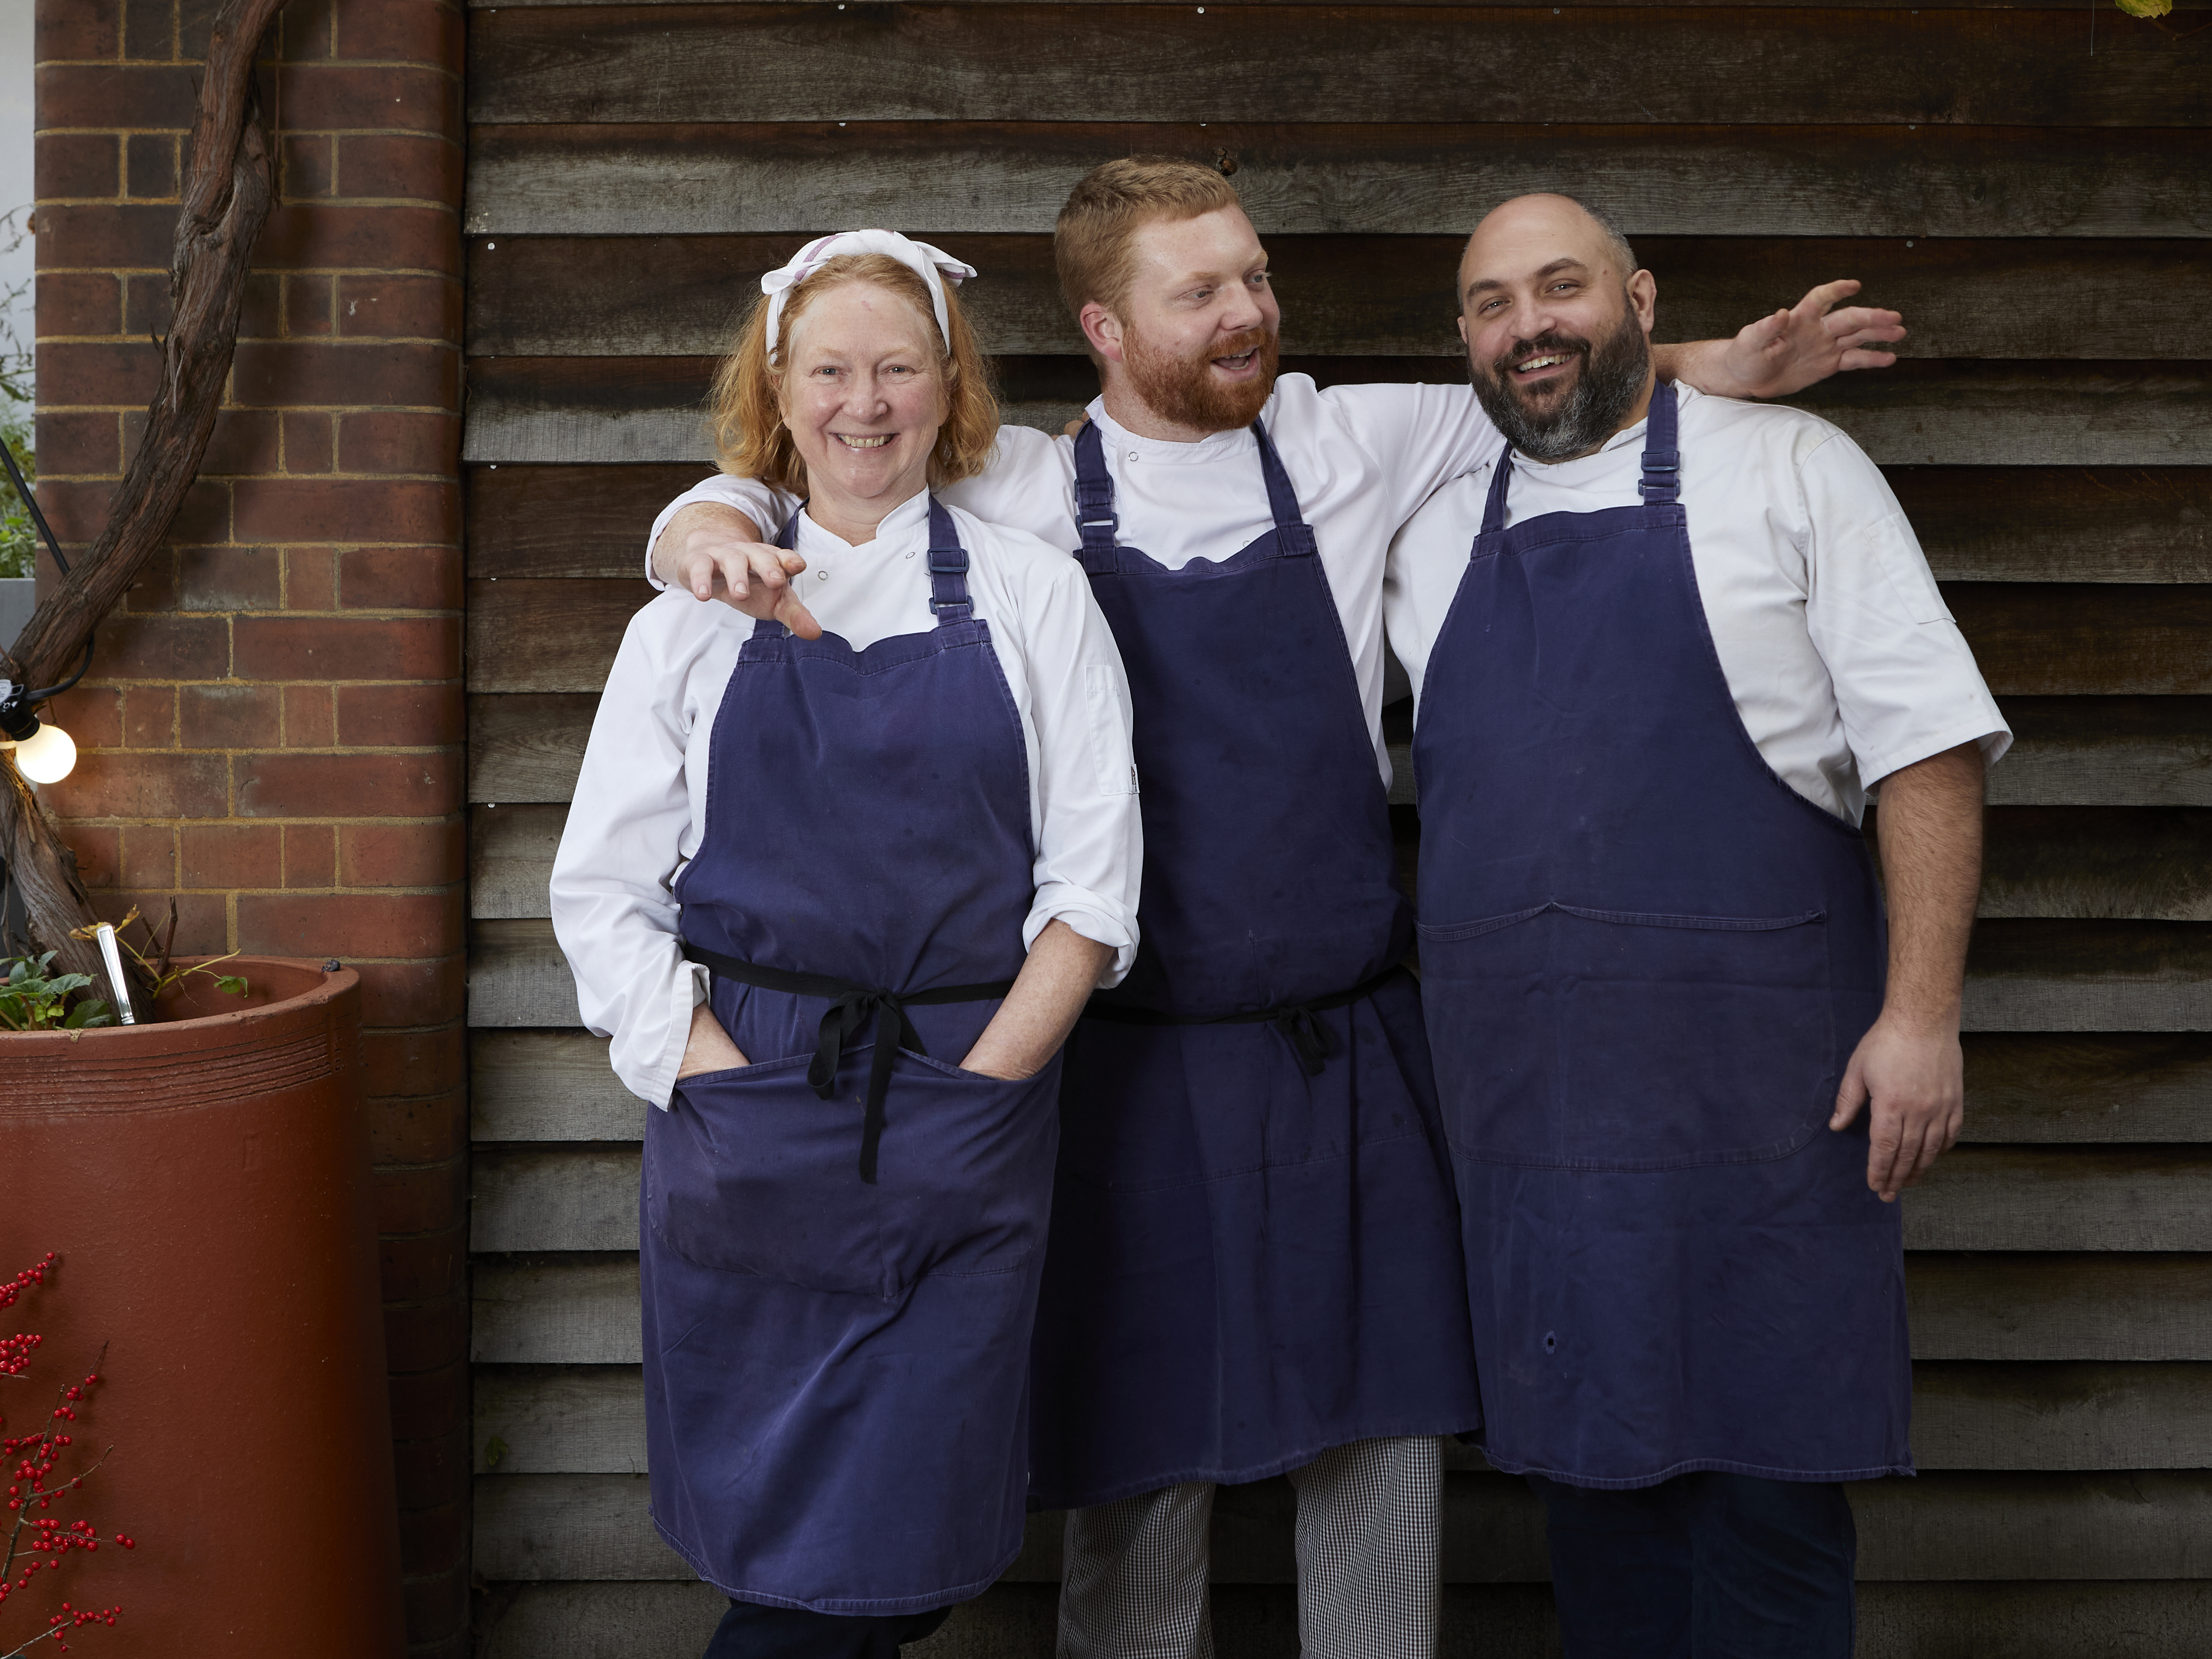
1360,458
641,802
1843,661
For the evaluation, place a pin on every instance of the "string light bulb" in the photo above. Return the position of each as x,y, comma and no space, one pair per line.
43,753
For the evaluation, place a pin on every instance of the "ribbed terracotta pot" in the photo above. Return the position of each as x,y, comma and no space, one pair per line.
205,1180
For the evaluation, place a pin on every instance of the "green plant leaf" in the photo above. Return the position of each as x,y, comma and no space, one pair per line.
88,1014
494,1449
234,984
2145,8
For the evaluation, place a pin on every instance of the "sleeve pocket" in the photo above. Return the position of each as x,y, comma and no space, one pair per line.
1911,581
1109,741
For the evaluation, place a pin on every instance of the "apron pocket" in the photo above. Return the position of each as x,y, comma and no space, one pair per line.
1590,1039
750,1171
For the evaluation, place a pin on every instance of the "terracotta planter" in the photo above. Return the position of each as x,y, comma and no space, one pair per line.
205,1180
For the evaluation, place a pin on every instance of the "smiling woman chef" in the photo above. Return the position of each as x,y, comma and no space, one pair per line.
838,900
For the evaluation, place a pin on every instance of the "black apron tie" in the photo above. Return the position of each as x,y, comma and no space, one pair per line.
1311,1040
852,1008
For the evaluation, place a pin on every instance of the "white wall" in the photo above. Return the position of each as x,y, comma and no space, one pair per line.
15,82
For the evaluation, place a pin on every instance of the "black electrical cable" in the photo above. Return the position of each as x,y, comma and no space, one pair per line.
15,477
56,690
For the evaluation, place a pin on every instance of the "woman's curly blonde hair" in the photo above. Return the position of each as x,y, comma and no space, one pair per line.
750,440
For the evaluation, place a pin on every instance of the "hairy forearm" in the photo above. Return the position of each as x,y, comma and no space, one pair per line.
1929,827
1698,363
1038,1013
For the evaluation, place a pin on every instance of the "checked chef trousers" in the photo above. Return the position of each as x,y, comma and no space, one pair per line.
1134,1584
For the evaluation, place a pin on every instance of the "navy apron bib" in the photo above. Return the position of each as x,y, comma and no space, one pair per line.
1254,1248
842,1241
1646,961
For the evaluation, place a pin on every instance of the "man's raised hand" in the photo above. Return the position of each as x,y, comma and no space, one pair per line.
1789,350
715,552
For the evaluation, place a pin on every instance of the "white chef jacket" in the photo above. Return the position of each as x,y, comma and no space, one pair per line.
641,802
1360,458
1843,664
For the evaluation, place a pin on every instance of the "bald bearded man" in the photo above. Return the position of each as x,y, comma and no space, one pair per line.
1666,649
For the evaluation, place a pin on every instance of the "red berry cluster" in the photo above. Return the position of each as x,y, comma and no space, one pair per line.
30,1540
15,1350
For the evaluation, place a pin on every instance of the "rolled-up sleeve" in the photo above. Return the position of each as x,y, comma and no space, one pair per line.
768,508
1089,842
1907,686
614,910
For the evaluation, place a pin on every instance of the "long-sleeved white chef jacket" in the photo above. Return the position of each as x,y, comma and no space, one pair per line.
1360,458
1842,662
641,802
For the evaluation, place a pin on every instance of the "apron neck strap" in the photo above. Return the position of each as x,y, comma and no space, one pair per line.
1095,518
1662,461
1293,536
948,571
1661,483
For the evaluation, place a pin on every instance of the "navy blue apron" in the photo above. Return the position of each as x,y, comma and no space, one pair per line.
842,1241
1646,960
1254,1238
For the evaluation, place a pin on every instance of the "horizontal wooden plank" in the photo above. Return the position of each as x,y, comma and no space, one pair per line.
2150,1619
1977,524
528,748
590,1420
549,636
2113,638
1036,63
2143,863
2119,751
2068,1306
555,1085
2021,976
2021,1088
1869,5
582,1309
511,852
1977,1198
518,976
2089,976
2027,1088
1949,1525
566,410
615,296
557,1310
962,176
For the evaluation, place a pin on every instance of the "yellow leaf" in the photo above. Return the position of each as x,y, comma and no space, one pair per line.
2145,8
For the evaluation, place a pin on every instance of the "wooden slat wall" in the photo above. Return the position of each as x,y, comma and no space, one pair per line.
2043,216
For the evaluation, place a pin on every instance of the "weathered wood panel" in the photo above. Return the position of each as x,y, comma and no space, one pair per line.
2089,976
590,1420
582,1309
1977,1198
557,1085
1977,524
1869,5
2085,862
2040,639
2119,751
511,852
560,1310
1415,65
2021,976
518,976
2060,1620
963,177
569,411
681,296
1984,1526
552,635
2060,1306
528,748
2032,1088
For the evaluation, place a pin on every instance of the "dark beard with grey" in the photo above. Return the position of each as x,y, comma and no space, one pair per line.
1611,380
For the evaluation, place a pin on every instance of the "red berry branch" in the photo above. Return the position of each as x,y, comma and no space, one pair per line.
36,1541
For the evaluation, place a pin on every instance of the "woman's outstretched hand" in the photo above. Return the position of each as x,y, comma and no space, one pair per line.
715,552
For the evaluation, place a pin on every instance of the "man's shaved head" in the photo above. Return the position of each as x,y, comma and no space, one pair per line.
1555,314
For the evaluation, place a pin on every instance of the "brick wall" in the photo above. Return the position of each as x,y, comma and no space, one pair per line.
270,733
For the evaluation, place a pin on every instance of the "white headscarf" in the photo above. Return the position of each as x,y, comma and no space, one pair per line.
934,266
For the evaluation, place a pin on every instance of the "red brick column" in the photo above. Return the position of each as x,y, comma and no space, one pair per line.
271,731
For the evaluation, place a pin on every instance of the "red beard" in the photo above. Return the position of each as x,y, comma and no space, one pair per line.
1182,390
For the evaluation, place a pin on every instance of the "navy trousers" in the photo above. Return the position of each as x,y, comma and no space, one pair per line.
749,1631
1703,1567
